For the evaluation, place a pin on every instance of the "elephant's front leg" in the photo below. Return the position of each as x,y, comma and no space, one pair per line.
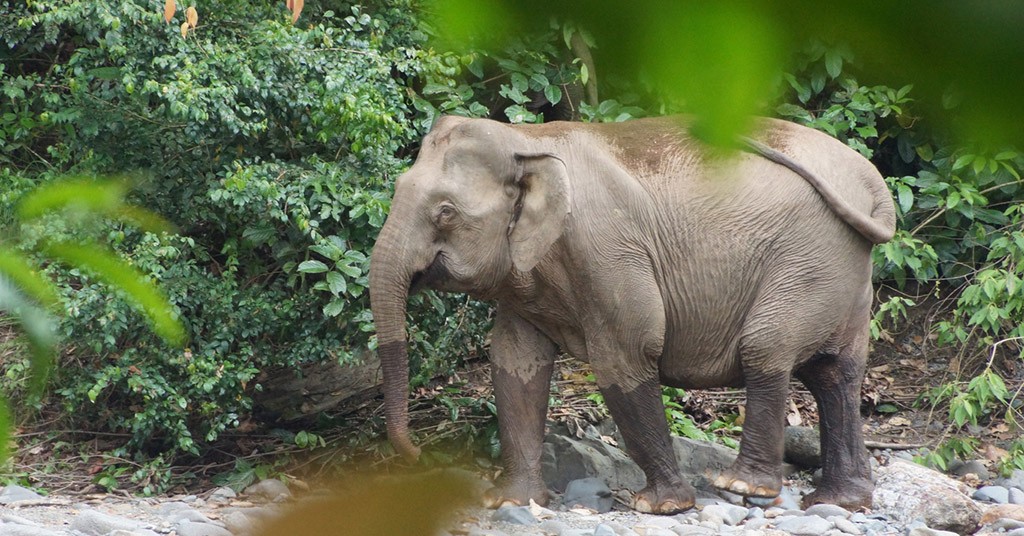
522,360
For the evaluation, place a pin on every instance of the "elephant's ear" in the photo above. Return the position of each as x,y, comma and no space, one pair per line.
542,206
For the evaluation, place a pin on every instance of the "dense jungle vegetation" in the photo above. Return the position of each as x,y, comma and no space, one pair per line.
271,147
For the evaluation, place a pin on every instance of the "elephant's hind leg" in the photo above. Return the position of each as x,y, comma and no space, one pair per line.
835,381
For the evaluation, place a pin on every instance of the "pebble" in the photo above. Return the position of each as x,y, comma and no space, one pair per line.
1016,496
14,494
515,515
827,510
804,525
925,531
592,493
724,513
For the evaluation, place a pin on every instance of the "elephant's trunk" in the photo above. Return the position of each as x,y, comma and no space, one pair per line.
389,289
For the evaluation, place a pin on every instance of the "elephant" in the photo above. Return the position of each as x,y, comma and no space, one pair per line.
637,249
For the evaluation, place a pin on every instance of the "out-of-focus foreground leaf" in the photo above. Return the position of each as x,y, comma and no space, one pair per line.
419,504
84,196
721,57
38,328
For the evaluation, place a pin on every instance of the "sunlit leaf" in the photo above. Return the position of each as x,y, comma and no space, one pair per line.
192,16
296,10
184,29
169,9
113,271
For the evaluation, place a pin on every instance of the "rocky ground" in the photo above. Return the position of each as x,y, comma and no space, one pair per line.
591,476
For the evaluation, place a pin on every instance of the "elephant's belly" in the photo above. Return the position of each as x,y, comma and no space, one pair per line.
695,361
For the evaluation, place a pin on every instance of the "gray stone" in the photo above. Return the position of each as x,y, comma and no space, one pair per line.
925,531
590,493
189,528
693,530
905,491
700,462
845,525
975,467
515,515
828,510
95,523
604,530
1015,480
11,529
1016,496
724,513
757,523
14,494
619,528
659,522
802,446
477,531
222,495
136,532
270,489
552,526
565,459
1004,525
1016,532
992,494
804,525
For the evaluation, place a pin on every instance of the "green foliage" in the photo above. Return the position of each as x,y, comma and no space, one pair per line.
962,448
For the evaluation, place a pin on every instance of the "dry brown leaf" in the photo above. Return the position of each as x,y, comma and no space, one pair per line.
192,16
184,29
296,9
169,9
289,4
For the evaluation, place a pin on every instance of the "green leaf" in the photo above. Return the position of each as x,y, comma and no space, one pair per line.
336,283
115,272
963,161
906,197
5,431
833,63
334,308
553,94
312,266
886,408
584,73
39,329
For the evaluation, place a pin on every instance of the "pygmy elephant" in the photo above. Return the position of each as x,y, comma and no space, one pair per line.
658,261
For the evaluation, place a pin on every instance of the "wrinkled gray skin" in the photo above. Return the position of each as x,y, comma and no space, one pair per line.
628,247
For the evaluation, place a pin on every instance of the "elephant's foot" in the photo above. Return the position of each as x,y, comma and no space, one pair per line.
665,500
851,494
750,481
516,494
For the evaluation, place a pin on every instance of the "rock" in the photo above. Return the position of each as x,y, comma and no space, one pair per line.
804,525
1015,480
693,530
992,494
1016,496
604,530
270,489
724,514
925,531
757,524
975,467
1003,511
565,459
845,526
827,510
700,462
1004,525
590,493
188,528
788,499
905,491
95,523
552,526
515,515
13,494
802,446
222,495
11,529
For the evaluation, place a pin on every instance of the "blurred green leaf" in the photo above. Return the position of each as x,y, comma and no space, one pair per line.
83,194
114,271
39,329
15,267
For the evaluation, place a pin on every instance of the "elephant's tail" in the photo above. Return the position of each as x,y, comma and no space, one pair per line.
877,227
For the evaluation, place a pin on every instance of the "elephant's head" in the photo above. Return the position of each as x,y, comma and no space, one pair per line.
480,201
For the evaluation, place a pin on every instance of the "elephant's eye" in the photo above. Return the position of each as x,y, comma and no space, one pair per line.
445,214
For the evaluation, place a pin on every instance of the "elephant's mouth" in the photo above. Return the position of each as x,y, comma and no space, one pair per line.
433,276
